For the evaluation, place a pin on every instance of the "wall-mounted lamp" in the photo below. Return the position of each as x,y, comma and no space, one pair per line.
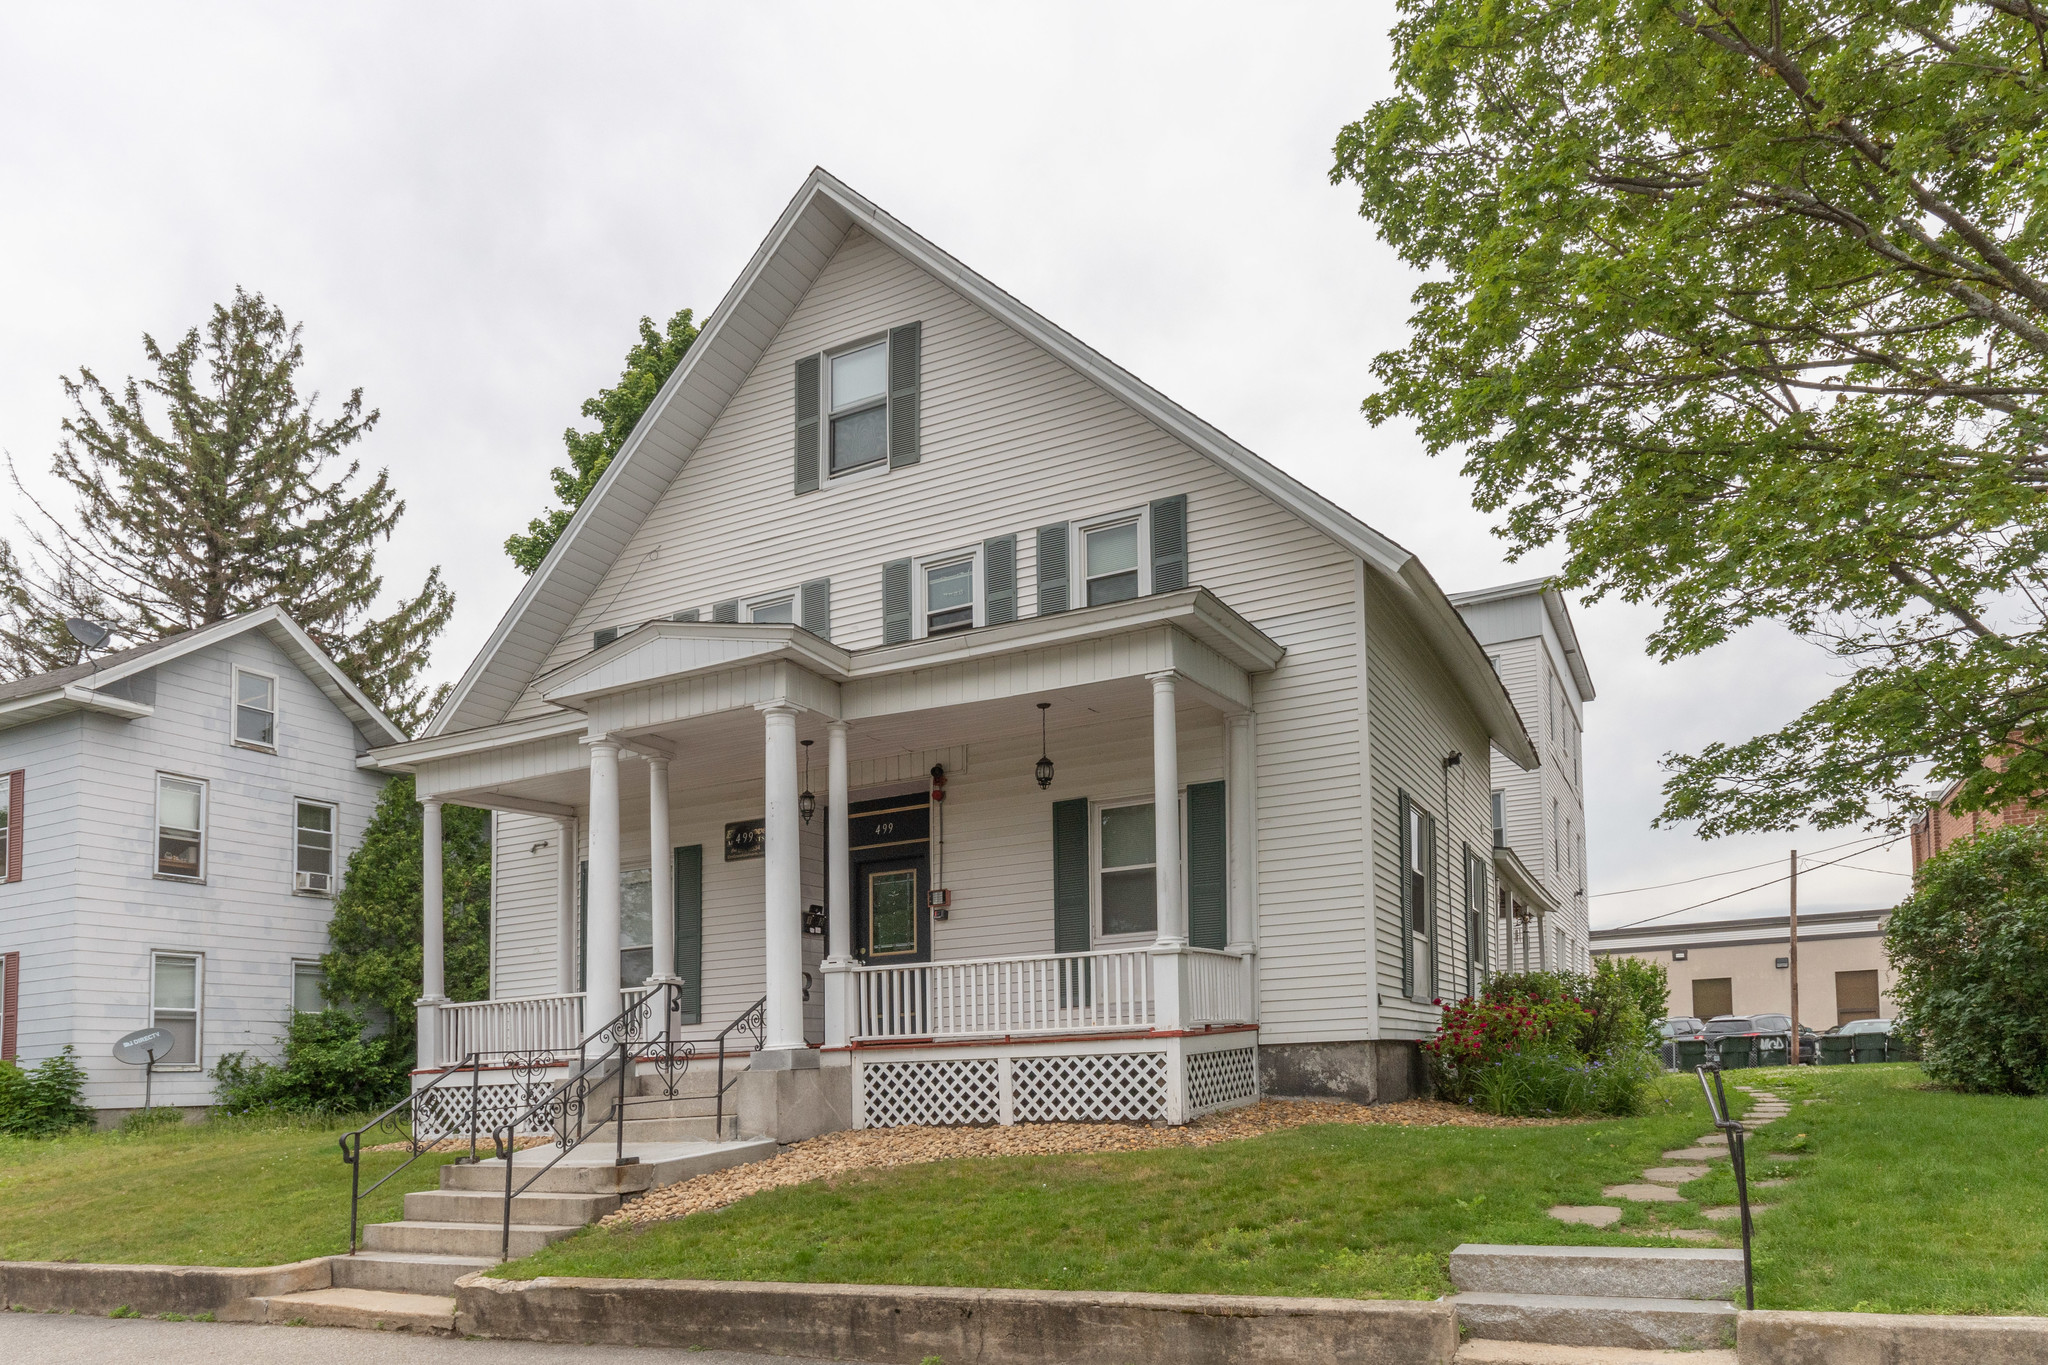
807,804
1043,771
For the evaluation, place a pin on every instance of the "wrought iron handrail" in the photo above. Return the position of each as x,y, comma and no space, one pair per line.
1717,1105
411,1103
753,1019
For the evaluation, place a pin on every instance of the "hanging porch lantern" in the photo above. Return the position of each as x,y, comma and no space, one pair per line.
1043,771
807,804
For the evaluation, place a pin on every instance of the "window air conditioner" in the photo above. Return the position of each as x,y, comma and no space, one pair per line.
314,881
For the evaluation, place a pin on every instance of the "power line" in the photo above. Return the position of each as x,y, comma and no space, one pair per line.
1758,887
1729,871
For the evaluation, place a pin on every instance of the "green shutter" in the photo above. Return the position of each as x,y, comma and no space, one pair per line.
895,601
807,424
726,611
1170,544
814,603
1208,867
1405,939
999,573
1430,888
689,918
582,923
1052,569
687,614
906,345
1070,876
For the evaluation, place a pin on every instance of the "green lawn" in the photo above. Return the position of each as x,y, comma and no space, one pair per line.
1907,1200
227,1193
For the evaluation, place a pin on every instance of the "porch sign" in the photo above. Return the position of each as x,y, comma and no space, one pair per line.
746,839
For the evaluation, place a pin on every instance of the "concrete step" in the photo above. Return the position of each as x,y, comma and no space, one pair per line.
463,1239
699,1082
1588,1320
1608,1272
589,1170
488,1206
1484,1352
691,1129
682,1107
405,1272
376,1309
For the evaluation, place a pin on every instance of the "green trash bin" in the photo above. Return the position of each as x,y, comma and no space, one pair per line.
1736,1053
1835,1049
1692,1053
1870,1047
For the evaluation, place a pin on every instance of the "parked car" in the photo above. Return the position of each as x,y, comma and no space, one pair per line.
1771,1035
1673,1030
1855,1026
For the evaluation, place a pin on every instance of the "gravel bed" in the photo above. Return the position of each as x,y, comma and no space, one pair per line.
864,1148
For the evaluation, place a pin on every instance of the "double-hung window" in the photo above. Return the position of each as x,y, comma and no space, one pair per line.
1127,877
773,611
308,981
636,927
313,849
10,826
858,394
180,827
949,596
255,710
1110,562
174,996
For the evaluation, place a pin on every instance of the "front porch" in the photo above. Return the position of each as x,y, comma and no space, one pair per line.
952,938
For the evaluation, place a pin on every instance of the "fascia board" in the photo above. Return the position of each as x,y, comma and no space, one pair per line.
779,644
405,757
1568,636
58,700
325,674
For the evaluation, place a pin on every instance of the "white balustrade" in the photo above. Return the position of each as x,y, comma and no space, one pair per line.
1217,989
992,997
528,1023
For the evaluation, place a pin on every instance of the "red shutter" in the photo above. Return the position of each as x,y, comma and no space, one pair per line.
13,869
10,987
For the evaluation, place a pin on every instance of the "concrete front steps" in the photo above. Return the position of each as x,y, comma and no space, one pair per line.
1633,1298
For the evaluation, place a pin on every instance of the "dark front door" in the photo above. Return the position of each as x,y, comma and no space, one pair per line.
892,920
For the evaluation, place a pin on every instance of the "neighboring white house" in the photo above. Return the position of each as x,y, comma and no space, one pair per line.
887,536
177,816
1539,816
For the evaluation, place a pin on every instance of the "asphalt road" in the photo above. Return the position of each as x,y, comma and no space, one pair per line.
54,1339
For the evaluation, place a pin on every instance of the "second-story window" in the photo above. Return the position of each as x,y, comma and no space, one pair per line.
1109,557
1500,819
949,596
180,827
255,710
775,611
313,856
859,398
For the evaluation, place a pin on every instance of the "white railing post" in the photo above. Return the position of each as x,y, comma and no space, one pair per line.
1169,986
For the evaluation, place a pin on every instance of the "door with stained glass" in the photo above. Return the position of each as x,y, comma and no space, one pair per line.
892,921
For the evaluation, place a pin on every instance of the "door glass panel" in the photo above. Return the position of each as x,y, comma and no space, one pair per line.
892,911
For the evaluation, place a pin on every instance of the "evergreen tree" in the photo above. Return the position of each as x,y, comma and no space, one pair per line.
375,932
207,489
617,411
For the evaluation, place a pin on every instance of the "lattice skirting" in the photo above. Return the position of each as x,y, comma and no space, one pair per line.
445,1112
1219,1079
1093,1087
963,1091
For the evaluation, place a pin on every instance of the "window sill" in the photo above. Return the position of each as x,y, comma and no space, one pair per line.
190,1068
314,895
254,748
174,877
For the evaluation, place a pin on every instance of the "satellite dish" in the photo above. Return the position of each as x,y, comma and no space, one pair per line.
144,1046
91,634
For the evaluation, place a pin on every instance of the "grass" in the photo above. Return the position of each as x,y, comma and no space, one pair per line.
1906,1200
230,1192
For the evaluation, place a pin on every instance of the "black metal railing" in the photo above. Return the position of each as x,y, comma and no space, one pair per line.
1717,1104
753,1020
426,1124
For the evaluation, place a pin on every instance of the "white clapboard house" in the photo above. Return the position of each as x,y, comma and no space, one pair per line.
175,819
1034,749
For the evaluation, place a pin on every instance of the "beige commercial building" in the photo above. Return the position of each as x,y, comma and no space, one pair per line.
1743,966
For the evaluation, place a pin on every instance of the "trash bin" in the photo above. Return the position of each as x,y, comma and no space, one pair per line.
1692,1053
1869,1047
1835,1049
1736,1053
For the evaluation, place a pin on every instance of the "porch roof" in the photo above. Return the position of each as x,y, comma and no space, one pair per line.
1525,884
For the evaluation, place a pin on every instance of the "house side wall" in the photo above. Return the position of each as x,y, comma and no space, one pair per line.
36,912
523,903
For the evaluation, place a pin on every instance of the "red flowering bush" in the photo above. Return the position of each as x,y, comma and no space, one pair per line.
1476,1034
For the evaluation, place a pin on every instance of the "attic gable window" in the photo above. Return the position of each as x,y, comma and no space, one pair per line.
1110,555
255,710
860,407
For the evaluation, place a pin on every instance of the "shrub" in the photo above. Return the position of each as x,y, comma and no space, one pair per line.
44,1102
1476,1035
1547,1080
1551,1042
1970,946
329,1068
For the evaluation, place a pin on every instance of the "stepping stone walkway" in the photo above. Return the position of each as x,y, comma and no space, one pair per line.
1660,1180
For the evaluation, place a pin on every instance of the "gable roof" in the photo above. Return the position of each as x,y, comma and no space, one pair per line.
725,352
1554,606
97,685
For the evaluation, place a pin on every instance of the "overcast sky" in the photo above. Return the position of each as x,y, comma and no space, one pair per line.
469,206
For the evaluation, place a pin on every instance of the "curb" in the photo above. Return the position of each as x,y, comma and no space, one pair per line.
988,1326
232,1293
1772,1338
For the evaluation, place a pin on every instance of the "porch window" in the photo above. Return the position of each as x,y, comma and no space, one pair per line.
255,710
949,596
636,927
860,407
1110,556
174,996
180,827
1127,876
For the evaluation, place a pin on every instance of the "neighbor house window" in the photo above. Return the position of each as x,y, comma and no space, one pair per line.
775,611
1127,877
1109,559
860,407
10,825
174,997
180,827
313,856
1500,819
949,596
255,709
308,997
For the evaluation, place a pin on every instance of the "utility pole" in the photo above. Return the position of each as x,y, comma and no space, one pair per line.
1794,959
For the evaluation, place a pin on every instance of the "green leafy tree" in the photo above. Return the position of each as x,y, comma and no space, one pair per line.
1970,946
329,1067
210,488
1744,303
616,411
375,959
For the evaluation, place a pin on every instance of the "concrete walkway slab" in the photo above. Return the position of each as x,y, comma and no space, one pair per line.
1644,1194
1673,1175
1587,1215
1701,1153
1732,1211
376,1309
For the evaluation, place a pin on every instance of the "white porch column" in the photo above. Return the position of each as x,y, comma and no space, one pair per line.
838,964
783,1047
1169,949
433,984
661,866
1240,798
565,906
601,1001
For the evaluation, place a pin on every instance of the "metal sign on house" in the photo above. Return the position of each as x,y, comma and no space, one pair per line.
746,839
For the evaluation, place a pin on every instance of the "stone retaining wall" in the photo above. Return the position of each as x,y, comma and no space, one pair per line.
66,1286
1764,1338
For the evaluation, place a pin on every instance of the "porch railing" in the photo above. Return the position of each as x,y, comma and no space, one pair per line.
522,1024
1218,988
1053,993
